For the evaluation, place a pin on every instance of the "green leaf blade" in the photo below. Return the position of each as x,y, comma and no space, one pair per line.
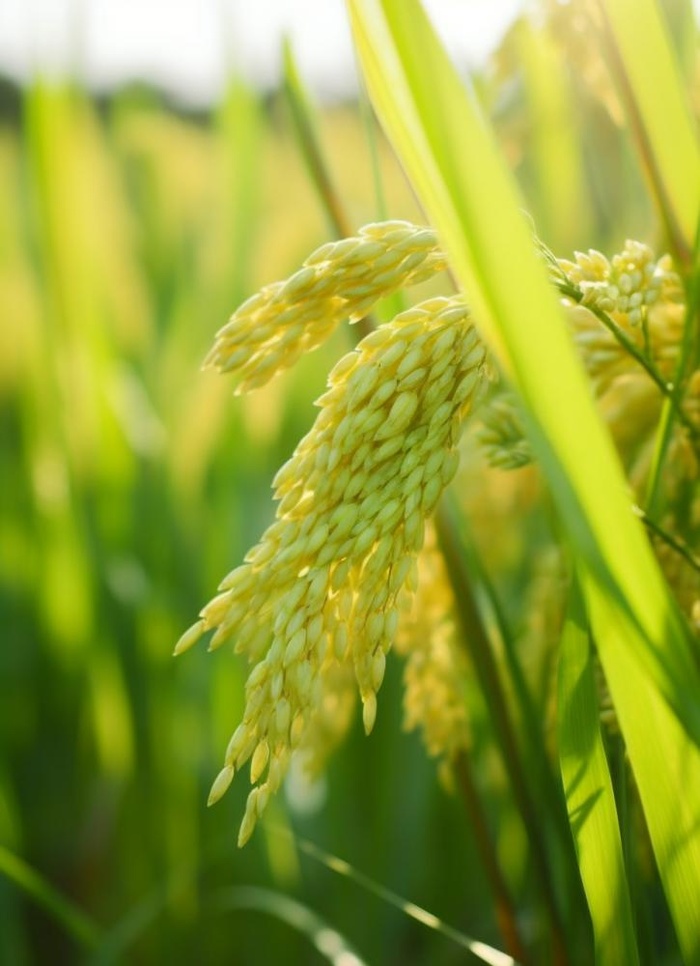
666,768
650,84
470,197
589,796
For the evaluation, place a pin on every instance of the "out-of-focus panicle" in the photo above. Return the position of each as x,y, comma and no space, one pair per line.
643,299
502,436
332,716
322,584
340,280
436,665
628,284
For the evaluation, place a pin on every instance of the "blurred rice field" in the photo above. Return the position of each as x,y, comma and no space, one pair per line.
132,481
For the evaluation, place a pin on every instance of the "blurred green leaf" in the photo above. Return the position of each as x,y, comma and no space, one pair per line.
75,922
649,81
329,942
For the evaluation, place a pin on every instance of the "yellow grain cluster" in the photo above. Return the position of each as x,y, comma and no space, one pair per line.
502,436
333,716
642,296
340,280
321,586
436,666
315,606
628,284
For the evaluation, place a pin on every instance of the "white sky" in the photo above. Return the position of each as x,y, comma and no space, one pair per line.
186,45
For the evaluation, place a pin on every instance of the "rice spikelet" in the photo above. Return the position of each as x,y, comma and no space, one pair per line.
340,280
436,666
321,586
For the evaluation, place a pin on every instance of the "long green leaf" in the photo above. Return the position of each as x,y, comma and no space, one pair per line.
589,796
666,769
649,81
462,181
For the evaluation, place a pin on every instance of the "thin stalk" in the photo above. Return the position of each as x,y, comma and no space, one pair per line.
482,656
686,363
668,389
310,145
371,135
482,951
664,434
505,908
397,301
530,720
675,543
312,152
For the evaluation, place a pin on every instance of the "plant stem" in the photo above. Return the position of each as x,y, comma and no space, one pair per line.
317,166
686,364
310,144
668,389
505,908
480,651
675,543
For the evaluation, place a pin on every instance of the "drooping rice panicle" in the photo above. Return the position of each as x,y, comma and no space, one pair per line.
322,584
315,604
340,280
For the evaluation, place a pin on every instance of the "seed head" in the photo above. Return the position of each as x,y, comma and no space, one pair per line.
625,285
436,668
319,591
340,280
642,296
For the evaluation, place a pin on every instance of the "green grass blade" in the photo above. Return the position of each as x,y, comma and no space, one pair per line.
329,943
239,131
666,769
309,139
461,179
589,795
649,81
75,922
482,951
555,160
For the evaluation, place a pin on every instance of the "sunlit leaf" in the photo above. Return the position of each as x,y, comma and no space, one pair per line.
589,795
461,179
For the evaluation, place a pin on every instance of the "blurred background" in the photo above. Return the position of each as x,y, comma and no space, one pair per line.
150,180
